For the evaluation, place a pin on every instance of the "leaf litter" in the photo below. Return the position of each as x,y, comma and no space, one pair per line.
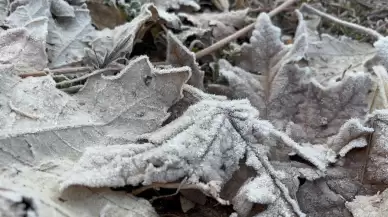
293,131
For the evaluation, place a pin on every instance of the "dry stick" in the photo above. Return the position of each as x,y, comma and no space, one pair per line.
57,71
170,195
354,26
164,185
240,32
86,76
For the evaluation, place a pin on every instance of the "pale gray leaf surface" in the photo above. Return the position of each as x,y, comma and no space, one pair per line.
46,122
140,94
205,140
377,165
45,130
4,9
278,87
369,205
278,102
23,12
40,183
61,8
266,53
331,58
176,4
326,108
69,37
179,55
381,46
8,81
25,51
270,188
111,44
220,24
380,95
353,129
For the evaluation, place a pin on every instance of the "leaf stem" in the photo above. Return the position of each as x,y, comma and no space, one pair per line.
354,26
59,71
240,32
96,72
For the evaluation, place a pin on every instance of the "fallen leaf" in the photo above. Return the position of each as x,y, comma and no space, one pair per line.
215,141
45,130
285,92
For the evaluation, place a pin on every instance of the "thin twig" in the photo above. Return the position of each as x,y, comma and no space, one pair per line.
59,71
164,185
354,26
240,32
99,71
266,10
170,195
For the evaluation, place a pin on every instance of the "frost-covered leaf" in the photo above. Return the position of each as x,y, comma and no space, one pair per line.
381,56
40,185
22,49
140,94
352,130
371,206
179,55
316,111
279,83
25,11
175,4
4,9
43,130
266,53
379,98
284,92
35,111
220,24
331,58
376,166
112,44
205,144
68,37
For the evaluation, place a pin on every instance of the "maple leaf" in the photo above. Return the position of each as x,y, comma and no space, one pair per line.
202,146
286,93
